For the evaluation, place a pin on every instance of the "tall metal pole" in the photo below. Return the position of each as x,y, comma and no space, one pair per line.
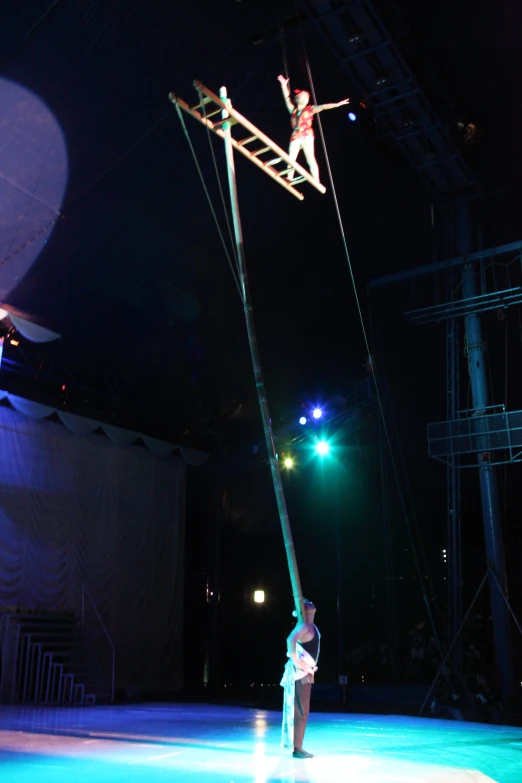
454,551
340,613
476,351
256,363
215,669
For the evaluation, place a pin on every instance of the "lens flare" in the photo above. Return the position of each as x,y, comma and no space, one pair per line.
322,448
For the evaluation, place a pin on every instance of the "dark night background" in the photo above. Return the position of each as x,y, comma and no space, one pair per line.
135,279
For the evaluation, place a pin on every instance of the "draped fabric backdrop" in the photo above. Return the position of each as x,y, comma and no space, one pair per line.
79,509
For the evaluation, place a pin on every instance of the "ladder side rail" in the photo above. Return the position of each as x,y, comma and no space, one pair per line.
237,145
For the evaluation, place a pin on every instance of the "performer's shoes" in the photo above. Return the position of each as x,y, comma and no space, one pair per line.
299,753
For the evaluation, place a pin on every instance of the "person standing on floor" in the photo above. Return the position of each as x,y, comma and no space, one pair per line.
303,646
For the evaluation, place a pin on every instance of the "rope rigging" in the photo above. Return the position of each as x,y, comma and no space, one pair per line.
223,202
128,151
369,353
231,263
281,30
65,211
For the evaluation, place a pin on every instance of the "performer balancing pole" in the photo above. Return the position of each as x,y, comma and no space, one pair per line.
256,362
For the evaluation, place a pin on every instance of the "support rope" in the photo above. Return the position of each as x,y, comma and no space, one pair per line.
283,47
61,215
506,600
489,571
457,635
209,199
118,160
368,350
28,34
216,169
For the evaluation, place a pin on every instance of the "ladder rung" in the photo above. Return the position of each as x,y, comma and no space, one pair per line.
260,152
295,181
200,105
212,113
218,123
248,140
272,162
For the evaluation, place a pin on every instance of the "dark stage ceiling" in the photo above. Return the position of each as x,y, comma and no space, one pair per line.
130,270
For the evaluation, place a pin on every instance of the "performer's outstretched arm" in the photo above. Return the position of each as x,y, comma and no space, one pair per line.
285,89
326,106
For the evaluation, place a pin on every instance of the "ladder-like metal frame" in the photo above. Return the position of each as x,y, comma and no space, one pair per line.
268,166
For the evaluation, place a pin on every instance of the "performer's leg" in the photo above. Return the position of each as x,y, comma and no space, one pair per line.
308,147
293,152
301,711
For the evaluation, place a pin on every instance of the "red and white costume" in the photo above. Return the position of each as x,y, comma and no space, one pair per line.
301,122
303,138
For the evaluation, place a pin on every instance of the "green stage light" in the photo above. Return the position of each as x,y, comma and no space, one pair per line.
322,448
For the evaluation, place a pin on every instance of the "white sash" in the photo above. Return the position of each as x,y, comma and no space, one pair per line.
290,675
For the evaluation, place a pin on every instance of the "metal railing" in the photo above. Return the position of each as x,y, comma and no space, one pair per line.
49,658
36,655
86,595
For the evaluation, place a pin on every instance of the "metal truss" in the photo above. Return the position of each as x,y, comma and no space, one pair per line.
483,303
360,42
356,396
495,434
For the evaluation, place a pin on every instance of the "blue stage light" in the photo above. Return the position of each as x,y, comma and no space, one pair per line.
317,413
351,116
302,420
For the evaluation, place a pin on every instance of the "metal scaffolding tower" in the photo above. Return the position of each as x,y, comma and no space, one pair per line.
453,507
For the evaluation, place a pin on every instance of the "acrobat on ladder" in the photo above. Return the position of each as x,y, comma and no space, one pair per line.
257,147
302,117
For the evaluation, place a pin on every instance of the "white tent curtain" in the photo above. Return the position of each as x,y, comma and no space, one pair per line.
81,425
77,510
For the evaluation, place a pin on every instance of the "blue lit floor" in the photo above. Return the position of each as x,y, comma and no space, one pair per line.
204,743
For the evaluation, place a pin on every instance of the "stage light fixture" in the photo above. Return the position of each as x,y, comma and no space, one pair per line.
317,413
302,420
351,116
322,448
259,596
289,463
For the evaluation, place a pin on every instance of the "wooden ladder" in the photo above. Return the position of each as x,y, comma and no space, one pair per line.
254,146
